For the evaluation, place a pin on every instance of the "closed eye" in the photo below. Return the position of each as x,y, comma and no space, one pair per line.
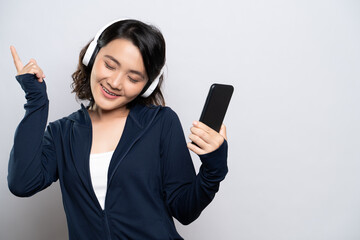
108,66
133,80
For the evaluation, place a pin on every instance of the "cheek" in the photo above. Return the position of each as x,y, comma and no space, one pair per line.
134,89
99,70
92,81
95,73
92,85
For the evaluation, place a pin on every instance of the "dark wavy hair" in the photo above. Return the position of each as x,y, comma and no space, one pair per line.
147,38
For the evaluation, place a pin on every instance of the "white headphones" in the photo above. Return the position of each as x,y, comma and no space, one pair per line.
91,50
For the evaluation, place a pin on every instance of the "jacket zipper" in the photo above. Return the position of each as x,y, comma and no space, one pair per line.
130,146
108,235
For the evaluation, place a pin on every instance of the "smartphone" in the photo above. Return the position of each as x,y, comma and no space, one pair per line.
216,105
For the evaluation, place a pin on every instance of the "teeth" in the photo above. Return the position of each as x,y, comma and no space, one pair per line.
110,93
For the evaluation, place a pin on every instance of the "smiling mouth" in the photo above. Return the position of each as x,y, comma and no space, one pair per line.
108,92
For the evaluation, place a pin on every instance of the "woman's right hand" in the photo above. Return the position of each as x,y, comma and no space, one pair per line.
31,67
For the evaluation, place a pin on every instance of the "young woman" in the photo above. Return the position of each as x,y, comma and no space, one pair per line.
123,163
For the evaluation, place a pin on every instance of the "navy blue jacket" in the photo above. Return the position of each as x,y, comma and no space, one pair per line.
151,176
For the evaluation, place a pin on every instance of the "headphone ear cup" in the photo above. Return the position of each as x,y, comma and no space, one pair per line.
153,85
151,88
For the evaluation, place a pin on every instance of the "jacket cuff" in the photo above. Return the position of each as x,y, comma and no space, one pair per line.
215,163
34,90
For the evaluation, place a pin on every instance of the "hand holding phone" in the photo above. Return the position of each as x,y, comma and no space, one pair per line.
205,133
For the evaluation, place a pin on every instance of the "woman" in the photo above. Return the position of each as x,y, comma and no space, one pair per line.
122,162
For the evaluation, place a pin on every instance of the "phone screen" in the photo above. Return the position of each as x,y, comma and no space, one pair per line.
216,105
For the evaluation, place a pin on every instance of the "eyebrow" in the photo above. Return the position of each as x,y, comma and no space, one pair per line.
117,63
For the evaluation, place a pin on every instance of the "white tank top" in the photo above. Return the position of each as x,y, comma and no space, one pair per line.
99,165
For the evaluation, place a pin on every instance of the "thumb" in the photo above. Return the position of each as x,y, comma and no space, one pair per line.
223,131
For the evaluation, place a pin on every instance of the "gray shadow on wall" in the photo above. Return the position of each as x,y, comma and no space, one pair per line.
40,217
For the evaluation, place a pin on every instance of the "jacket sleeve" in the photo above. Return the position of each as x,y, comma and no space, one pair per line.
32,164
186,193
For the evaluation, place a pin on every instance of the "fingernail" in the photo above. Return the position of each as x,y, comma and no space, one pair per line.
195,123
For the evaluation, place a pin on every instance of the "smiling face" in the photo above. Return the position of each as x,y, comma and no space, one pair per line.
118,75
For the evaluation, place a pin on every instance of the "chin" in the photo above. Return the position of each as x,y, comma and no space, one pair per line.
109,106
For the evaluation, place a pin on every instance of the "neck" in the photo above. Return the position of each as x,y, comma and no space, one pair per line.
108,115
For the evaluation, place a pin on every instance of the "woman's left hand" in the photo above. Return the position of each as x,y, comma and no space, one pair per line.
206,139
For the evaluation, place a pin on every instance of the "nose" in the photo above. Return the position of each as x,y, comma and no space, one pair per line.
116,81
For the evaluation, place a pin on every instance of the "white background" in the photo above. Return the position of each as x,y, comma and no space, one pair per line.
293,122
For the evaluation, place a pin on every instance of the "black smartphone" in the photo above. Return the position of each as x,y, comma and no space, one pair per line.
216,105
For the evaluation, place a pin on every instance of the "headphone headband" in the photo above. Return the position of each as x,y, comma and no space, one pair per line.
92,49
93,44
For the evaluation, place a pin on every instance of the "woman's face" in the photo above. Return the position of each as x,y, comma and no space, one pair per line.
118,75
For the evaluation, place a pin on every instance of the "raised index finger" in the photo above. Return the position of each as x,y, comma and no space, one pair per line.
17,61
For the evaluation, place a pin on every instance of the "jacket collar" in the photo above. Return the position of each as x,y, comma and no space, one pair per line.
142,115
